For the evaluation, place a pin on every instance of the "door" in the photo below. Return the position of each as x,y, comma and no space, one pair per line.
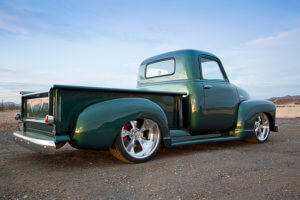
219,96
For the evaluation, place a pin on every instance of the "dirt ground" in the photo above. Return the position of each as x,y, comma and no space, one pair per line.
7,120
227,170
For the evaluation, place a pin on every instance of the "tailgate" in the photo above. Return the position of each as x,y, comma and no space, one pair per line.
35,107
33,132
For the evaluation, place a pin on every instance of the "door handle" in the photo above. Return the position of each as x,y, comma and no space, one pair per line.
207,86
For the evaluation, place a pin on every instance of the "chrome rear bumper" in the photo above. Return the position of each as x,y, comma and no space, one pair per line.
46,146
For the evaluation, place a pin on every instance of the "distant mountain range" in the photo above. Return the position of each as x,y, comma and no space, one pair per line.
9,103
286,100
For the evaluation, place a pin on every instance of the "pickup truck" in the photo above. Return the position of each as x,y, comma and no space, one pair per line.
182,97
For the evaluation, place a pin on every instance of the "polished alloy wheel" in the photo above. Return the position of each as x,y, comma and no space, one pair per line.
262,127
140,138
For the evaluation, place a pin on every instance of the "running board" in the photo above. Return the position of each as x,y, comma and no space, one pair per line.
196,140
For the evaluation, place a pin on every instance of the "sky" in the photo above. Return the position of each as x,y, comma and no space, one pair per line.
101,43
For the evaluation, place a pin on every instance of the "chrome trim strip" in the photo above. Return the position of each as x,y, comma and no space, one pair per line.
38,145
35,120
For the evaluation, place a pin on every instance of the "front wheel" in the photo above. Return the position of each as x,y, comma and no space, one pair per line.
138,141
261,128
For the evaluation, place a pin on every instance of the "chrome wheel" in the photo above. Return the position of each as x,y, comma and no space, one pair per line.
140,138
262,127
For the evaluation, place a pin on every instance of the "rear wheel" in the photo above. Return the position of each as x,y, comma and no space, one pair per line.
138,141
261,128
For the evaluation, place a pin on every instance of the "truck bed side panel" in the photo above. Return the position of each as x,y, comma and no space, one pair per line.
70,102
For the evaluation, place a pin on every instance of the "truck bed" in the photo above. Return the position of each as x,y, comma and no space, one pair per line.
66,102
71,100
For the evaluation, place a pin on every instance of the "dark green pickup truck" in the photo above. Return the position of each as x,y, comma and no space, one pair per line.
183,97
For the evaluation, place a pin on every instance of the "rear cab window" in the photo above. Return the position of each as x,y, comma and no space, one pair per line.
160,68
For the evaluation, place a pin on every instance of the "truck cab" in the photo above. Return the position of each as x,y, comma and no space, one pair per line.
211,103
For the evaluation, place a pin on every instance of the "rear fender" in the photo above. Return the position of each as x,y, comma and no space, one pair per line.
247,113
98,125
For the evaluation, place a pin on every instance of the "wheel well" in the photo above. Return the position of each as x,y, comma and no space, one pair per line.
271,120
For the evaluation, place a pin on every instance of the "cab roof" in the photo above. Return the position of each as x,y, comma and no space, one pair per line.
183,52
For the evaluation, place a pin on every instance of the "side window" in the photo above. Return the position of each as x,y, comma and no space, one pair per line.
160,68
211,69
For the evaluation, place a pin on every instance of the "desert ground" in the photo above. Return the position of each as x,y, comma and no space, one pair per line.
288,111
226,170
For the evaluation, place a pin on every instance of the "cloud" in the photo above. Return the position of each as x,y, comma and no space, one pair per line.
267,66
283,38
5,69
9,23
72,22
10,91
19,20
4,26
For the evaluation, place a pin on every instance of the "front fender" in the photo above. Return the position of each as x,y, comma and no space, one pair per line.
98,125
247,114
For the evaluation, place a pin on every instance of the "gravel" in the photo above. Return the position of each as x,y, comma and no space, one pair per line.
227,170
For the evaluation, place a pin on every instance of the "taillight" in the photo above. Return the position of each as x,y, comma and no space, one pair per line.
17,116
49,119
46,119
